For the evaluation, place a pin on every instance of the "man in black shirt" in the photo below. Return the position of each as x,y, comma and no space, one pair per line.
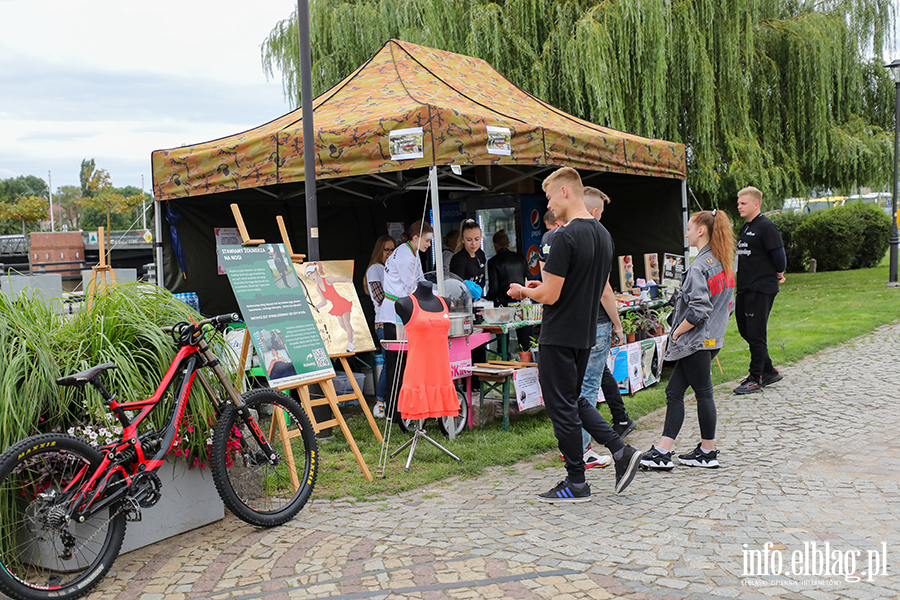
575,274
759,269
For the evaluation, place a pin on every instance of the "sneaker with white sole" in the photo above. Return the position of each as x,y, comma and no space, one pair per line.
592,459
563,492
699,458
626,467
655,460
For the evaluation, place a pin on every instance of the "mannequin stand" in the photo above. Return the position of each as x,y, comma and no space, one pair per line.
420,433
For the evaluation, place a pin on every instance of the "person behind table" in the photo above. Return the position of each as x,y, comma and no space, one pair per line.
402,273
577,269
469,264
702,308
469,261
449,249
373,288
503,269
552,224
760,266
597,375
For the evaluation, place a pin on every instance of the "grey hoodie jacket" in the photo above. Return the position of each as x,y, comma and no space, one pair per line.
706,300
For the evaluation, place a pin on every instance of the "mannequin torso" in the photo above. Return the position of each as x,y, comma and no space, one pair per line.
427,301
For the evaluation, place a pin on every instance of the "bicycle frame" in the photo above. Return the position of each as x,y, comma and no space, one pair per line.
91,495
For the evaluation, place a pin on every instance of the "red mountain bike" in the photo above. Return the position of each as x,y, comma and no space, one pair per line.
64,502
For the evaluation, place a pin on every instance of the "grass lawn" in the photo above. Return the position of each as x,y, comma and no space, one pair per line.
812,312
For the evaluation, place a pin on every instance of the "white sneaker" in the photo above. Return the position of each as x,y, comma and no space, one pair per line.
592,459
351,347
378,411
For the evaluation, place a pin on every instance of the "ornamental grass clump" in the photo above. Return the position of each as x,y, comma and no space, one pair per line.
122,327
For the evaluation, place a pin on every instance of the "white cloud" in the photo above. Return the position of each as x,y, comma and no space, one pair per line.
114,81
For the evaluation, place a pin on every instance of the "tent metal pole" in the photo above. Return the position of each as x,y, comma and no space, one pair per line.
437,244
309,158
157,242
684,218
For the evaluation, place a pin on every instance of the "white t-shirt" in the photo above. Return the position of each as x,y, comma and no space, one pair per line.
402,273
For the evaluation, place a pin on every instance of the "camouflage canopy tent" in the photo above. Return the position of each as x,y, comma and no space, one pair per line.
448,109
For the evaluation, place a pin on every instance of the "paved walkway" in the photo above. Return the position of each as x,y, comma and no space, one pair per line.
812,460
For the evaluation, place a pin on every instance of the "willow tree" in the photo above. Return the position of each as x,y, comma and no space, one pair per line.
787,95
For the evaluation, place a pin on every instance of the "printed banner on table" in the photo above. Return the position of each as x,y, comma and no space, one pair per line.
637,365
527,387
335,303
277,315
407,143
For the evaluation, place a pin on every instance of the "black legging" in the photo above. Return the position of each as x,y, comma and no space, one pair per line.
393,382
693,371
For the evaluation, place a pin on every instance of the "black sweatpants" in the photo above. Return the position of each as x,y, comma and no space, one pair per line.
562,371
751,311
613,397
693,371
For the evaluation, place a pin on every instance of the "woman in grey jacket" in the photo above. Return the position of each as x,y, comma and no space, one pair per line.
702,308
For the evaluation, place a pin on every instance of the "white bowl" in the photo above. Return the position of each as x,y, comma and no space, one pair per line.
500,314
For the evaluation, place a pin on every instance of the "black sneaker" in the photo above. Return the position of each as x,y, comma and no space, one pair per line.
699,458
773,377
623,428
748,386
626,467
564,493
656,460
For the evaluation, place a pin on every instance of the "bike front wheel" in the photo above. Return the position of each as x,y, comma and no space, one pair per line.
254,489
44,554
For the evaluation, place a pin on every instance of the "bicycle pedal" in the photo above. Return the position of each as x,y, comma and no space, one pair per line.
133,512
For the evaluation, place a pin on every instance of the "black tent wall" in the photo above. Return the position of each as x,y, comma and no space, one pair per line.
645,215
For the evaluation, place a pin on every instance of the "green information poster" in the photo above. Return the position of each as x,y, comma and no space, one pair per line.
278,317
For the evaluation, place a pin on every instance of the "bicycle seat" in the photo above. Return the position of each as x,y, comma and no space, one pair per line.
79,379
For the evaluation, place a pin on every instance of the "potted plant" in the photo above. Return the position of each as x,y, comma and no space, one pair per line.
630,325
527,350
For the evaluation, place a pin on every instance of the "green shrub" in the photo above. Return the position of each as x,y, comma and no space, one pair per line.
874,235
788,223
831,238
123,327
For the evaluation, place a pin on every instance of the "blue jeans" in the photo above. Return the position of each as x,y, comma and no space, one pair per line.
590,385
382,381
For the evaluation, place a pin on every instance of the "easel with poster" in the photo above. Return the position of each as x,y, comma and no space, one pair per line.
281,327
103,275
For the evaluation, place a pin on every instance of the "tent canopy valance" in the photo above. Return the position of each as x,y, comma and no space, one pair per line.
457,111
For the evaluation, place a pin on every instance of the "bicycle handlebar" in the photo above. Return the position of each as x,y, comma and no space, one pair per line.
217,320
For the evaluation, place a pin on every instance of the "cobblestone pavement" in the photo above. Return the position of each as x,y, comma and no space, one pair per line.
812,460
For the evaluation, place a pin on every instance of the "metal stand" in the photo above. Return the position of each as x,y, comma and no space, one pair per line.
420,433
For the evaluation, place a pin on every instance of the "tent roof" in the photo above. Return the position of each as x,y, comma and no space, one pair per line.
451,97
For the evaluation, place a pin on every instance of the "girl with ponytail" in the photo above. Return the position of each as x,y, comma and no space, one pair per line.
702,308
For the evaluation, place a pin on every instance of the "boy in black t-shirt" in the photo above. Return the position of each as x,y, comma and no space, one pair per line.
759,269
576,271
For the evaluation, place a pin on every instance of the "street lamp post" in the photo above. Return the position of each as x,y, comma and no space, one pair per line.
894,68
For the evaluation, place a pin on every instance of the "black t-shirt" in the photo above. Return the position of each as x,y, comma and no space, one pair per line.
755,270
582,254
470,268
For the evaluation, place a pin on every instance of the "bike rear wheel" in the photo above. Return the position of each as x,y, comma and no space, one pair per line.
42,554
250,486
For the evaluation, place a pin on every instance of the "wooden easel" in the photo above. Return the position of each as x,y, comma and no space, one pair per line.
103,275
331,398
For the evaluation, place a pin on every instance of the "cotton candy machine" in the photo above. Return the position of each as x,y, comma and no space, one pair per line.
459,300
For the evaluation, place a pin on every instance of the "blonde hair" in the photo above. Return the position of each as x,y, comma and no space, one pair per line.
566,176
465,226
721,236
752,192
594,198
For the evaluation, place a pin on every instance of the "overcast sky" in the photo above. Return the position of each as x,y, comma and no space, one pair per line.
114,80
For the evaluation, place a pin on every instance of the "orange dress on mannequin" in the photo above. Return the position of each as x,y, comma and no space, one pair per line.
427,386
